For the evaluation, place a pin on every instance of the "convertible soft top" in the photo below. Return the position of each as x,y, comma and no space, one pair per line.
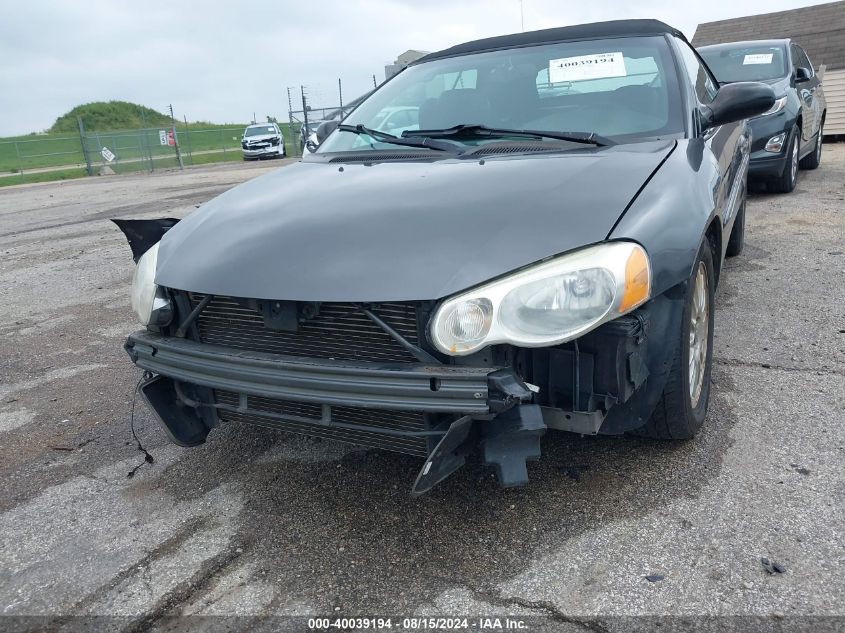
614,28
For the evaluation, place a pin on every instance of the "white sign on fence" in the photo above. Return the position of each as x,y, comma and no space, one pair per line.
107,154
162,137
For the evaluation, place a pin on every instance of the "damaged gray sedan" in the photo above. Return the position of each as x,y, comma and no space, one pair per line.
538,251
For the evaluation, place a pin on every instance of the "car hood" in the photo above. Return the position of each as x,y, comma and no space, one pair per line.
399,231
780,85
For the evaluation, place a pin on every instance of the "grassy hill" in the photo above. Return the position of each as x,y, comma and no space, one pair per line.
110,115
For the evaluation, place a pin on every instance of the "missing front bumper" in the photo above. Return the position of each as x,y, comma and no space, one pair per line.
589,387
192,385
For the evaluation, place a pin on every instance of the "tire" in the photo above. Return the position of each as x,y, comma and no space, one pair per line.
786,182
737,239
814,159
679,413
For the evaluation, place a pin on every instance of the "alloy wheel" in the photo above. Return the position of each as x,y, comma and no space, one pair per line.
698,334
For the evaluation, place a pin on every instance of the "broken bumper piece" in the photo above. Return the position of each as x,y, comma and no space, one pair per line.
191,386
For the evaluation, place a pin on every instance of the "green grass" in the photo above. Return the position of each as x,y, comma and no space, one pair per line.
42,150
48,176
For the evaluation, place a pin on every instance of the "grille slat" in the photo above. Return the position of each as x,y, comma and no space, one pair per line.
397,420
340,331
365,350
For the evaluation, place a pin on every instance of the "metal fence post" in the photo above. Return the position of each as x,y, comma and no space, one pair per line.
141,156
294,145
175,140
304,109
188,140
20,164
88,168
223,143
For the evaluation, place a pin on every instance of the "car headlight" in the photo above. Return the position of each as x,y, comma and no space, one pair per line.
779,105
149,302
548,303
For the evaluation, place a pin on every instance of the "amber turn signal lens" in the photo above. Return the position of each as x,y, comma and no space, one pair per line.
637,280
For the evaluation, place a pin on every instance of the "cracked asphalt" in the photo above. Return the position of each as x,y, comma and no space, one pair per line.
257,523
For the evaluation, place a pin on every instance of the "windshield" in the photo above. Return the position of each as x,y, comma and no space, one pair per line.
260,130
746,63
621,88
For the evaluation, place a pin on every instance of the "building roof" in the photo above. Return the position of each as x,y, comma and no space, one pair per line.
615,28
410,55
819,29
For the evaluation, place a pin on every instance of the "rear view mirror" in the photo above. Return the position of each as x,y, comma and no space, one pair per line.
738,101
802,74
324,129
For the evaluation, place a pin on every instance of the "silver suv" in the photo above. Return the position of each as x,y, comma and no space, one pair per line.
263,140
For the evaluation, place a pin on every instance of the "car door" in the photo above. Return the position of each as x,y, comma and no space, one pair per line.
806,89
729,144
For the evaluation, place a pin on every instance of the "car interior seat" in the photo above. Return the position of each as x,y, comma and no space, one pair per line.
454,107
514,100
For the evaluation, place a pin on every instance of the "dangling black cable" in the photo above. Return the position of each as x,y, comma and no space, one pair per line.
148,459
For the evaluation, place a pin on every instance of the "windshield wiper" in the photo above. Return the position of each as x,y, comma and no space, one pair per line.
384,137
476,130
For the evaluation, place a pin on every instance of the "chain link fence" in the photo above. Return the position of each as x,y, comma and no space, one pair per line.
42,157
158,148
52,157
24,157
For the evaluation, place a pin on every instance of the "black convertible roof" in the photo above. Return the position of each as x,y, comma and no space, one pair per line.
615,28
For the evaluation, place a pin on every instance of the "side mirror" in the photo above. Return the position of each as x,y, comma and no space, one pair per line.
324,129
802,74
738,101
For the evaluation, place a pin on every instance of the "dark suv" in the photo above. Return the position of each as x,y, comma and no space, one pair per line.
790,134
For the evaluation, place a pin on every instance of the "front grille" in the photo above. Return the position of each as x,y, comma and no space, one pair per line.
340,331
397,420
267,142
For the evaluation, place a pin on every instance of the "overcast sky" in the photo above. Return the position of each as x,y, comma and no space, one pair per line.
220,61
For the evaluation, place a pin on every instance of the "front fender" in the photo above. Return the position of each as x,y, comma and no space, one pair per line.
671,215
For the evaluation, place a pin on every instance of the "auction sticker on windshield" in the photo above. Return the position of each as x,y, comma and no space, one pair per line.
597,66
759,58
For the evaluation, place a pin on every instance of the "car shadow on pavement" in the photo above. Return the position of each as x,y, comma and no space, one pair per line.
338,527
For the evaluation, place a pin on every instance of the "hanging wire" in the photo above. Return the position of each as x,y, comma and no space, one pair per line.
148,459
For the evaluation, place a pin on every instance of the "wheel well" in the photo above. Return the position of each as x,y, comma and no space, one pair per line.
714,236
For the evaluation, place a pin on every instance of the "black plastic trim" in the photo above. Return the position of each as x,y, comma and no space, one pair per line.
398,386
